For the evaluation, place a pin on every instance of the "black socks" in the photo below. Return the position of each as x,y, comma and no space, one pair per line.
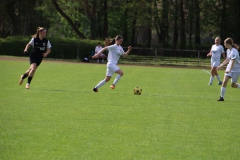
24,76
29,79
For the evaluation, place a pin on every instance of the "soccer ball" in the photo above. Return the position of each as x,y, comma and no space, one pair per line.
137,91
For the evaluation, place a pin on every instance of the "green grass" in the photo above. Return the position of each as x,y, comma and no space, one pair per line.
59,117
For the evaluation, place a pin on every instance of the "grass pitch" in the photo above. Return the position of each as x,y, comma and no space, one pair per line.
59,117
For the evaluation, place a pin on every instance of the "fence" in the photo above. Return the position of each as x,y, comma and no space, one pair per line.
148,56
161,56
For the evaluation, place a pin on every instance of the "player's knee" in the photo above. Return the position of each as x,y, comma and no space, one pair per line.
107,79
121,74
33,68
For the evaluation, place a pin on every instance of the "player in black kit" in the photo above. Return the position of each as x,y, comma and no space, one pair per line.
42,48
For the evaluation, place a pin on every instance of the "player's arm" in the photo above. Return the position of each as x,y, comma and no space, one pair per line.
26,48
128,51
233,61
209,54
98,54
223,55
224,62
47,52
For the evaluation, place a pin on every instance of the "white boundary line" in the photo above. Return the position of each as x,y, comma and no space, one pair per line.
206,71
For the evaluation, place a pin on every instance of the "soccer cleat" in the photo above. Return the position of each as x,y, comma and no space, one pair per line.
209,84
27,86
112,86
21,80
95,89
220,99
219,83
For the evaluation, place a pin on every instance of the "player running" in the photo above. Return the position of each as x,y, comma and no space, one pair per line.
115,51
42,48
216,52
233,68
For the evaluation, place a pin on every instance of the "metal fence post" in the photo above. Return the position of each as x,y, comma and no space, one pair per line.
78,52
155,55
198,57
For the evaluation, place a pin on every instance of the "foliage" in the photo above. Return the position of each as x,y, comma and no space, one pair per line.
177,23
65,48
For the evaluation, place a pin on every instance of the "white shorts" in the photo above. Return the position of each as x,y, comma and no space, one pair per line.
111,69
234,76
215,63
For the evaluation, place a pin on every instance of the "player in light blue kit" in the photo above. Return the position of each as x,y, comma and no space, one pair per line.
233,68
216,52
115,51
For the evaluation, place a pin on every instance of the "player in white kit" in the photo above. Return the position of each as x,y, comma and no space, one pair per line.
114,52
216,52
233,68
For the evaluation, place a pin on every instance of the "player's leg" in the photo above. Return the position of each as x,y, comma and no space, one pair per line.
103,57
216,64
119,75
235,76
212,74
101,83
31,74
224,85
25,75
109,74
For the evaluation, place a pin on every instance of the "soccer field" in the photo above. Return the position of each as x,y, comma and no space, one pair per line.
60,117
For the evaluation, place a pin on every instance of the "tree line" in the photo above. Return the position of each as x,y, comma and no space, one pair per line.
176,23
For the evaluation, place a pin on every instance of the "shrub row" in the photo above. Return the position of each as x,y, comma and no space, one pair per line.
64,48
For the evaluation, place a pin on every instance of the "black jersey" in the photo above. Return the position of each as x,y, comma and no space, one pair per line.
40,46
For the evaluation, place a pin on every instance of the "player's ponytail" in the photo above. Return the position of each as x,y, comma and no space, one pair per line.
230,42
39,29
235,46
109,42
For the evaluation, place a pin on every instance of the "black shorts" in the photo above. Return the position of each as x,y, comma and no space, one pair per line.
35,58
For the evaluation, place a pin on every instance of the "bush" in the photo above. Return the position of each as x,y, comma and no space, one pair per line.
65,48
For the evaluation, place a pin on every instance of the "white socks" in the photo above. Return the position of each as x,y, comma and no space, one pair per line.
211,79
117,79
218,78
223,90
100,84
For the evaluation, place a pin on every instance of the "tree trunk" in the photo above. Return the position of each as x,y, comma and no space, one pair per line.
157,23
175,29
133,35
237,4
149,30
91,16
223,26
105,13
183,34
197,23
190,24
70,22
125,24
164,23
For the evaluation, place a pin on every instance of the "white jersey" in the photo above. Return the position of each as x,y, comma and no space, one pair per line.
114,54
217,50
233,55
98,48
